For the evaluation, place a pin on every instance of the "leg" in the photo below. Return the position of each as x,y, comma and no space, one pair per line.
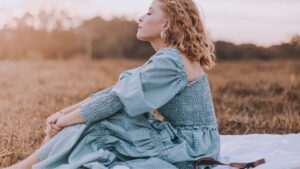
33,158
61,142
26,163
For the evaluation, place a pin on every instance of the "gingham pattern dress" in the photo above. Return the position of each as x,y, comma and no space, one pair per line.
119,129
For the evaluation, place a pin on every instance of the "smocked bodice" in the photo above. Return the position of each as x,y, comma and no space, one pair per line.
191,106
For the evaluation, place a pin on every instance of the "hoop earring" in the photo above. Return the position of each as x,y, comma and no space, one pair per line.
163,35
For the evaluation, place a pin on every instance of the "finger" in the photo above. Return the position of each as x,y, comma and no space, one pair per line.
49,135
54,121
50,122
60,127
46,138
53,132
50,119
56,127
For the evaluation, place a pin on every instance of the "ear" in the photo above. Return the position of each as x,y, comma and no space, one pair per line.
166,24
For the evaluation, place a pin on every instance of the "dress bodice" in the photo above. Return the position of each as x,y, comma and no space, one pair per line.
191,106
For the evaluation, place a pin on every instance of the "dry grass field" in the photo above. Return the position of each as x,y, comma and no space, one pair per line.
249,96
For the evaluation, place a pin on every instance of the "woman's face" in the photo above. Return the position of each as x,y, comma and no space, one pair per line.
151,23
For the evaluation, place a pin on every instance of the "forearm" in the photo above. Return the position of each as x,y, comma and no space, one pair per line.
74,107
78,105
70,119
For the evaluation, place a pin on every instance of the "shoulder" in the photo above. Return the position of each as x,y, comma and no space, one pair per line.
165,64
168,58
167,53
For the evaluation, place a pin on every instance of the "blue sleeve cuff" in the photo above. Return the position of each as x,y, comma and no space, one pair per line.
100,107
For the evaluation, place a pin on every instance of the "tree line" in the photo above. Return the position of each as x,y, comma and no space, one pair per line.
51,35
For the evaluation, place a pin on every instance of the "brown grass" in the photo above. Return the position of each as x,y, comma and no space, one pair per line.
249,96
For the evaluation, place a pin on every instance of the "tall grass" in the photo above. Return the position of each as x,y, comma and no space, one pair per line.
249,96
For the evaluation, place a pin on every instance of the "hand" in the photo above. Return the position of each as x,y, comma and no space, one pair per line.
54,117
52,128
51,132
157,115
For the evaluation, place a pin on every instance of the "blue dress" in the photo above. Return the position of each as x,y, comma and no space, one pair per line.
119,127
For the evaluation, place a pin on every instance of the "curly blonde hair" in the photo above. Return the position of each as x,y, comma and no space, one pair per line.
186,32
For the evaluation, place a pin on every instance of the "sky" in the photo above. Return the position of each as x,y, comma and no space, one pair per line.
263,22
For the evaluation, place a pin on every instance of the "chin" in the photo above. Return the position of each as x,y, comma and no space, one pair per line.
139,37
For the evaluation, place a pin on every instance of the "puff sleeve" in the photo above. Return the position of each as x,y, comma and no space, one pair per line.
154,84
122,75
128,72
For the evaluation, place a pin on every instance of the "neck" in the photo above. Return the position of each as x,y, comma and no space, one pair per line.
157,44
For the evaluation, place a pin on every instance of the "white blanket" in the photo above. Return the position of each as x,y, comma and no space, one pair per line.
279,151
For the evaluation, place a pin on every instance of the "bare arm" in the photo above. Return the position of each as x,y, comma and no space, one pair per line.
78,105
71,115
74,107
71,118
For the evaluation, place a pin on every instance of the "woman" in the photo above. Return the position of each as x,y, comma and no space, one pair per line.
116,125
